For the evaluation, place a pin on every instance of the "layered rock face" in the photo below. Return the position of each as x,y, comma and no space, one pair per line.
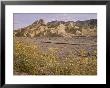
58,29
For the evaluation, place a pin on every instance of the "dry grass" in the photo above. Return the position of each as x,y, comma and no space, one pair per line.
29,59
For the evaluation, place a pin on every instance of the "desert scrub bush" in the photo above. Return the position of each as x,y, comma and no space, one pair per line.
81,66
83,53
28,58
24,60
53,51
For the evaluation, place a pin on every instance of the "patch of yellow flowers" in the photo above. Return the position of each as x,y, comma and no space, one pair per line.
28,58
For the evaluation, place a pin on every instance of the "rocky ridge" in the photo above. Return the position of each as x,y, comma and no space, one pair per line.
58,29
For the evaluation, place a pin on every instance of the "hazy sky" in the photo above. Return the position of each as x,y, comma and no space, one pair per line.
24,19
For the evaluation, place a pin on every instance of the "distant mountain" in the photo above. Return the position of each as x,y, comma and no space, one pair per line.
58,28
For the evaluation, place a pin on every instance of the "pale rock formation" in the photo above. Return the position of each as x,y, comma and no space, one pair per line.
61,29
58,28
78,32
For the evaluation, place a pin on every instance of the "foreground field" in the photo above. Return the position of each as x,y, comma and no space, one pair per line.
55,56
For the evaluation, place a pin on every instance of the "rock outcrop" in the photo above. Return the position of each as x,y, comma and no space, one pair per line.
58,28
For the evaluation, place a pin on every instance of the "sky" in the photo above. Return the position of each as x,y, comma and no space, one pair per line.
24,19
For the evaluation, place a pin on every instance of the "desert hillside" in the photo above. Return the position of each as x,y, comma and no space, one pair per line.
58,28
56,48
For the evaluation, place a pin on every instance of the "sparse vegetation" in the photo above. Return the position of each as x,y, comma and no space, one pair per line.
59,28
56,48
29,59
